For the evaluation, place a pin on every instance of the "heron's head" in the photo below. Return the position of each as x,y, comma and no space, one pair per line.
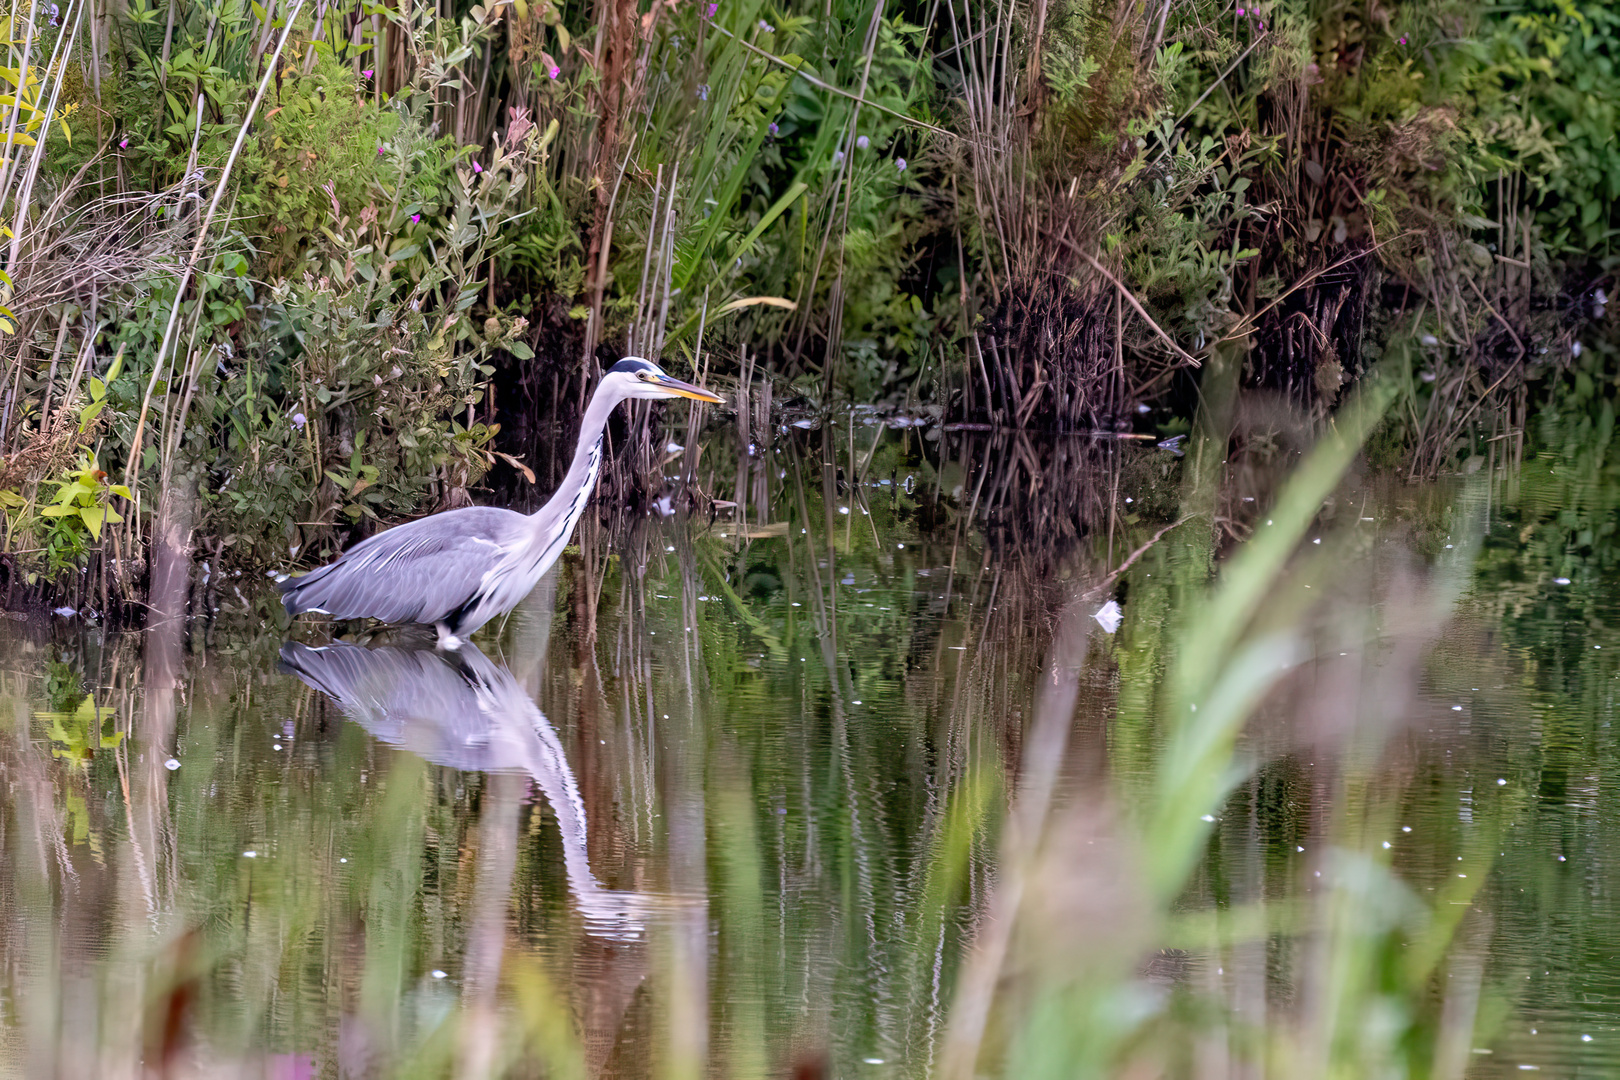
634,377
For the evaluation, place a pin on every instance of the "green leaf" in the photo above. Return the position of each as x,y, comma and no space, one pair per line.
92,518
89,413
687,264
777,209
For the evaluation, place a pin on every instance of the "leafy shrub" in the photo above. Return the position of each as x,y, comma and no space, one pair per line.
321,158
1549,80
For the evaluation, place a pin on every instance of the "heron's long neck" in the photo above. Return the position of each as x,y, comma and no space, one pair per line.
568,503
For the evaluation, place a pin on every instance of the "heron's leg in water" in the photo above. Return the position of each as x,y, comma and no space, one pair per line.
447,638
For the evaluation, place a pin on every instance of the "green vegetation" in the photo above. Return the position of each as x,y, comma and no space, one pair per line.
348,257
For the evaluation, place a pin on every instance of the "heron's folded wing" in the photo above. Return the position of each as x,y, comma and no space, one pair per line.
406,574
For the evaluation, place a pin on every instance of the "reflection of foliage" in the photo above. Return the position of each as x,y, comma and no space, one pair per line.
1543,604
1563,522
62,688
76,726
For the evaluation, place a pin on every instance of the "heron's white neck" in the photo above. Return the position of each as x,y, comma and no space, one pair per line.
568,503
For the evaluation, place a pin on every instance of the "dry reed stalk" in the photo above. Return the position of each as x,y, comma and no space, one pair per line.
190,268
50,379
604,244
617,29
646,264
656,330
20,199
1048,350
8,159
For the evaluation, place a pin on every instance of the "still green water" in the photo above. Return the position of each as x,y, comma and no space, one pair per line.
689,811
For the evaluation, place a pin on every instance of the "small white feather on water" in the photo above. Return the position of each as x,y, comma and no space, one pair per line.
1109,617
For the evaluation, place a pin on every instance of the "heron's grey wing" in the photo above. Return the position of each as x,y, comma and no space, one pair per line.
414,573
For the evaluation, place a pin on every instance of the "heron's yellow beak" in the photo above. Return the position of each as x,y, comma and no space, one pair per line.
687,390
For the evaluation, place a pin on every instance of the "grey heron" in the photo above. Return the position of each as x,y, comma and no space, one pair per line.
459,569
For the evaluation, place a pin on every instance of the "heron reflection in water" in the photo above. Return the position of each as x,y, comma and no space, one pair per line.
463,711
459,569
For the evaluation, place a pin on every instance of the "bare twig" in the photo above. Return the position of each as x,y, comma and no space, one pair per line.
1505,325
1131,300
1103,586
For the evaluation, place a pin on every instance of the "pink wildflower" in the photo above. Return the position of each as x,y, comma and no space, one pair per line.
708,12
123,144
1241,13
415,218
477,168
366,74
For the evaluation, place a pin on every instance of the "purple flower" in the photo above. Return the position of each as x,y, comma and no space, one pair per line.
703,92
838,155
1403,39
379,150
1241,13
772,130
708,12
900,163
477,168
554,71
366,74
862,143
299,420
766,27
123,144
415,218
1261,24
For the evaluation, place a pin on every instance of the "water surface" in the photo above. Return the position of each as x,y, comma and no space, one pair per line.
682,813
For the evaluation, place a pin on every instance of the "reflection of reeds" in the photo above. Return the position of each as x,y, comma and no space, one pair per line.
1086,886
837,884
